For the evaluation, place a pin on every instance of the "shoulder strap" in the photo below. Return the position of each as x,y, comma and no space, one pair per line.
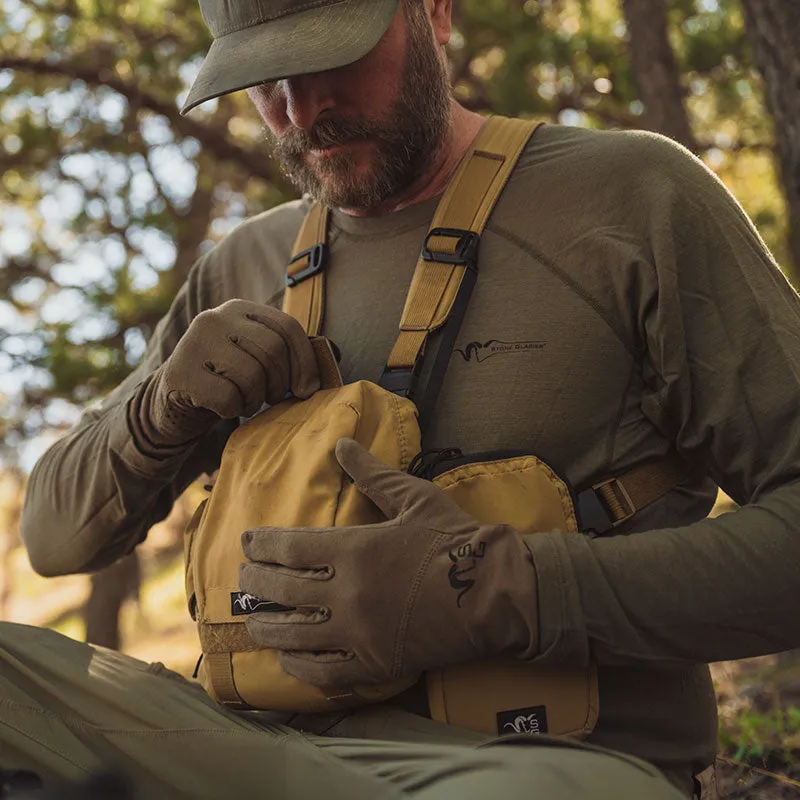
304,298
464,209
447,267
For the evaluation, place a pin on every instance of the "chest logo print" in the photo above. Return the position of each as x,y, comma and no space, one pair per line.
494,347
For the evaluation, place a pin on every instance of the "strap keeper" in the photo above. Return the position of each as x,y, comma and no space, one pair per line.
317,258
466,249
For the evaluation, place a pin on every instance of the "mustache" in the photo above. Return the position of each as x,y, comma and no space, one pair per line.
326,132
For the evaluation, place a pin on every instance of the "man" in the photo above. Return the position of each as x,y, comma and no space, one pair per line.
649,316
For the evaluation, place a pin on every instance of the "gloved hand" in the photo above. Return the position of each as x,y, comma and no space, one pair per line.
373,603
230,361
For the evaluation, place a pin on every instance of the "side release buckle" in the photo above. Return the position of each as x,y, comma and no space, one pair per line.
401,381
466,249
317,258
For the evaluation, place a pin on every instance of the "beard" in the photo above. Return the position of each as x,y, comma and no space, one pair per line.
403,144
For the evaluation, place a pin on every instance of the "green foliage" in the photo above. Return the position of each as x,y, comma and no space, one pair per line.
754,736
102,212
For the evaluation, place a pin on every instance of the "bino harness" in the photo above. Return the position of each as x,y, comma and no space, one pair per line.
278,469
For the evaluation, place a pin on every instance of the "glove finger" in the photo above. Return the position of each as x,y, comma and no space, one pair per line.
336,668
301,549
268,349
392,490
245,374
304,374
281,631
280,585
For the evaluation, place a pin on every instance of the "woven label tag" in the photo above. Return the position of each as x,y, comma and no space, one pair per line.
523,720
243,603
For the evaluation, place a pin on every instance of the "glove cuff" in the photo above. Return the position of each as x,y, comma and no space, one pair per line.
159,428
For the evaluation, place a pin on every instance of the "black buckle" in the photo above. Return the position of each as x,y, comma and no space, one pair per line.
401,381
592,514
317,257
466,253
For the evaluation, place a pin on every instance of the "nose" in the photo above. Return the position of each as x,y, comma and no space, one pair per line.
307,97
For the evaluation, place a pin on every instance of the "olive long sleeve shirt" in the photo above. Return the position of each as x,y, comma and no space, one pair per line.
644,314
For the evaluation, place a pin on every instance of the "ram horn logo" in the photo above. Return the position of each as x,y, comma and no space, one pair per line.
494,347
522,724
243,603
531,720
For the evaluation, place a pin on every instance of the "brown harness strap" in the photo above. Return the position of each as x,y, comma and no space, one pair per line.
304,298
613,501
220,672
330,376
457,225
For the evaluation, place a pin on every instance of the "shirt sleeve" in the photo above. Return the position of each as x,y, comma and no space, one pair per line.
93,495
720,326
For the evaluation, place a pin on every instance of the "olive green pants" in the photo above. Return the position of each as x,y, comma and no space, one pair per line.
68,709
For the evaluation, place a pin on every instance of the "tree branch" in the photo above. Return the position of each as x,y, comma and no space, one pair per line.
214,140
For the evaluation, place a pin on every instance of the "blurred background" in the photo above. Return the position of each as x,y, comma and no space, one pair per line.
108,195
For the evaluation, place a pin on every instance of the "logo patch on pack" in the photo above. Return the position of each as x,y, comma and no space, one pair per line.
243,603
523,720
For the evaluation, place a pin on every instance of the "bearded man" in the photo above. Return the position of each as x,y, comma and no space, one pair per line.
650,317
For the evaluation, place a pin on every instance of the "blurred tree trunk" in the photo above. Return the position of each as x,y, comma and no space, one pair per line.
110,588
773,27
658,78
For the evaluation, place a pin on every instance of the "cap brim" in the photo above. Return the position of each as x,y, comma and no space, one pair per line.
318,39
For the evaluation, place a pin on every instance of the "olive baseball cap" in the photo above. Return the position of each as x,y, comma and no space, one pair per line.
265,40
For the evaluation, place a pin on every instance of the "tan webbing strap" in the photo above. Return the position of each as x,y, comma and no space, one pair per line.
220,673
625,496
330,377
466,206
305,299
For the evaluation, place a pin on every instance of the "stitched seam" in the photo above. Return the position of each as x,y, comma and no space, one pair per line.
510,470
76,722
405,620
401,431
343,483
43,744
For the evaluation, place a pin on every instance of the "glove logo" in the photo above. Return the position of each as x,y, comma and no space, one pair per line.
465,559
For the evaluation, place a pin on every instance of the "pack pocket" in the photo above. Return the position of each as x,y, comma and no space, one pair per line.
279,469
188,541
503,696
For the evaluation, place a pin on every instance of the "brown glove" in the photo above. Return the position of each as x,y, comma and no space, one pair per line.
428,587
230,361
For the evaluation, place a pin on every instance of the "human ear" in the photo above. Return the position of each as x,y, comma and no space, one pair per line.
441,12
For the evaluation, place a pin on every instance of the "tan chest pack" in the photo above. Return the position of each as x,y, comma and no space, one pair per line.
278,469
